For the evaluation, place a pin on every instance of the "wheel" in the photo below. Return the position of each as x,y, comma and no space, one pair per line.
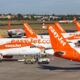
25,62
10,34
47,63
39,63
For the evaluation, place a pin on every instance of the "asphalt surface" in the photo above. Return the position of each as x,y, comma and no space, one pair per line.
60,69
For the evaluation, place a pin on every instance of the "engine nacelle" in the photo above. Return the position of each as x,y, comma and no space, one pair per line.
7,56
60,53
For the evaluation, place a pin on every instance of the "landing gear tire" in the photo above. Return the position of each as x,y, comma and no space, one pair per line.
1,58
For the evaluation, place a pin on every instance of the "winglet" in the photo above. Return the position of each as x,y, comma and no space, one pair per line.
29,32
58,26
9,27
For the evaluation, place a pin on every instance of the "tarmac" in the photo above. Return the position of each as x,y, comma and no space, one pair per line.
59,69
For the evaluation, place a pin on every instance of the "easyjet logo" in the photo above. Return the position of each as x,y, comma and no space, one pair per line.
17,30
34,41
56,35
14,46
28,29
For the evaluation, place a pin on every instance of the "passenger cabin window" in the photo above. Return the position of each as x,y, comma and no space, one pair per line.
32,46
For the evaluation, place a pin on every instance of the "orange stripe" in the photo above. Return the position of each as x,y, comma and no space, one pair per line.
14,45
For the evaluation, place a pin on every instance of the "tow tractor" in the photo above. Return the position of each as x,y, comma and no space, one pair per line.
31,60
42,59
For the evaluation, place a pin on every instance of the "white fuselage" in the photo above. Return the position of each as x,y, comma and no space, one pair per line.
21,51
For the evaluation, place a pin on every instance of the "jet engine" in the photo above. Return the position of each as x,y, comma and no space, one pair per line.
60,53
7,56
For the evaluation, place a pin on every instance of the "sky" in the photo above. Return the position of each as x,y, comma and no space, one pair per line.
40,6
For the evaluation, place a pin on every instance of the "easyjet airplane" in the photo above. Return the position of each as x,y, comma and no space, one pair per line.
8,49
67,21
16,32
23,46
61,47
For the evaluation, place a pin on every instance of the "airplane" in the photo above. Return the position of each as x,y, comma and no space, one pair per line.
19,45
61,47
67,21
9,49
16,32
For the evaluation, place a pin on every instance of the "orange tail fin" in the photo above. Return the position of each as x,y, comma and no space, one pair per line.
57,39
29,32
77,25
58,26
63,49
9,27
